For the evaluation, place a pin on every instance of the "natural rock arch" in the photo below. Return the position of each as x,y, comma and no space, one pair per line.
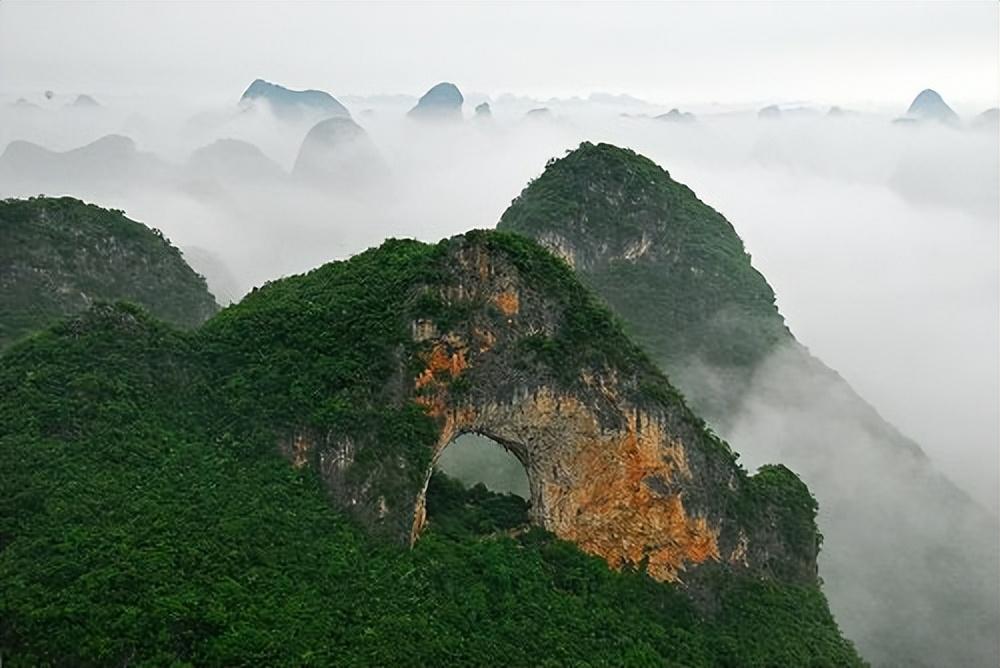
508,345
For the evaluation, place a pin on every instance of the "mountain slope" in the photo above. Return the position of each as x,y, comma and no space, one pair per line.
657,254
677,274
153,509
58,256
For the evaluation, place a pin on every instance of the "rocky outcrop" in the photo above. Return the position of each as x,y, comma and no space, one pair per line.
615,460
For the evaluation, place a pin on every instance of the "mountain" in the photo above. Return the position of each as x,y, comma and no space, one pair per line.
483,110
22,104
677,116
293,104
442,102
337,152
538,114
59,256
988,120
929,106
233,160
770,113
84,100
907,549
249,492
111,161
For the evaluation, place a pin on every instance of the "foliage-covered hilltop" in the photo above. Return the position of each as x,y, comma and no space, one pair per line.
906,549
671,267
59,255
147,516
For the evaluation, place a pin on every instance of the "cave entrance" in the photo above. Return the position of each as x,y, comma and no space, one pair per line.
477,487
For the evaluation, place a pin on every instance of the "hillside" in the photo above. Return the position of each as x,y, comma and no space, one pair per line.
247,492
59,256
658,255
677,274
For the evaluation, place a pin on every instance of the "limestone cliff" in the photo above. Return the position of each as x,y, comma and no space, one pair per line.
495,336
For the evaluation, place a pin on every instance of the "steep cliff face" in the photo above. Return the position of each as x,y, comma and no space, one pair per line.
58,256
677,274
502,341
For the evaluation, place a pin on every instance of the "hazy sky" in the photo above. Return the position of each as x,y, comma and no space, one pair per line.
867,55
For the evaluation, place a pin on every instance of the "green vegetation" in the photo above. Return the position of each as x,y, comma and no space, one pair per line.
57,256
146,517
668,264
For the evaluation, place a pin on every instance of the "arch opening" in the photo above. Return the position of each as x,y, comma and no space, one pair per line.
478,485
474,458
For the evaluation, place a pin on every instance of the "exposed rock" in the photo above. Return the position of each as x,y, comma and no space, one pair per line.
442,102
615,461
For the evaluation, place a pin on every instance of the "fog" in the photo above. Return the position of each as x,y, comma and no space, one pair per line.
879,239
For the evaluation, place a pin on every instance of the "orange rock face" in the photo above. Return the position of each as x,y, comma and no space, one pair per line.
508,302
614,512
592,487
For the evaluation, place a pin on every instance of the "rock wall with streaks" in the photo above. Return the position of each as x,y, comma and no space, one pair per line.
505,343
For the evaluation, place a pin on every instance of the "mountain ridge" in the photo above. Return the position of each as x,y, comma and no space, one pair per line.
678,276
